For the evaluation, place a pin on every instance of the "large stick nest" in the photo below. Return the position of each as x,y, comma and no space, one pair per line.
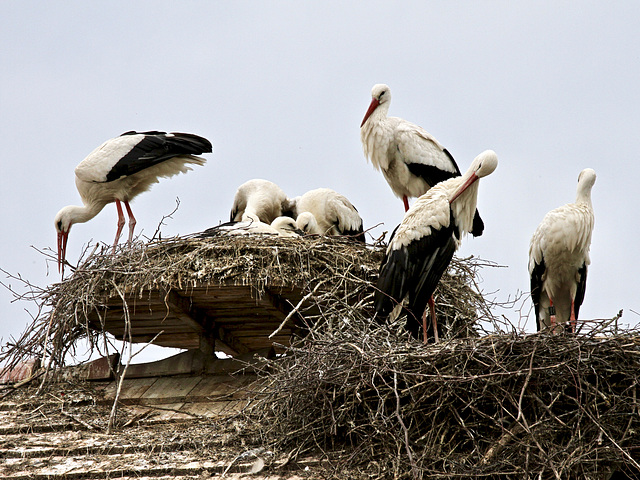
503,406
337,277
377,403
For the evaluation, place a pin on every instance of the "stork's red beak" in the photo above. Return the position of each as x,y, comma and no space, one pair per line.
62,250
464,186
374,104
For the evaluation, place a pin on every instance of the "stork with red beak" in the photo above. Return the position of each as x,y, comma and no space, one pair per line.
411,160
423,245
122,168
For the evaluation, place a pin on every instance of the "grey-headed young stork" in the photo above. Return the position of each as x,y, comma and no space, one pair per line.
122,168
411,160
334,214
261,198
423,245
559,256
251,225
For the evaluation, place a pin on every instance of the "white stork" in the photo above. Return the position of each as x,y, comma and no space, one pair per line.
307,222
122,168
251,225
559,256
261,198
334,213
423,245
411,160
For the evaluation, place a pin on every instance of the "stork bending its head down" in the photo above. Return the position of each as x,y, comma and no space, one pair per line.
326,212
423,245
122,168
559,256
261,198
411,160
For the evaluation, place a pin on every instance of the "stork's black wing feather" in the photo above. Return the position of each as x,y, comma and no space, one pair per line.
453,162
390,288
414,270
582,287
478,225
156,147
214,231
433,267
430,173
536,289
355,234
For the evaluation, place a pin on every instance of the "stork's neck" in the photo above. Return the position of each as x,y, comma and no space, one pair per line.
375,135
584,195
84,213
464,207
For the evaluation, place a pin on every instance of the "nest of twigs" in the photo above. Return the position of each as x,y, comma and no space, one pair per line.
375,402
380,405
337,277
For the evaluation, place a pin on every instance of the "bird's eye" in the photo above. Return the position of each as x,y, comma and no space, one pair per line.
381,94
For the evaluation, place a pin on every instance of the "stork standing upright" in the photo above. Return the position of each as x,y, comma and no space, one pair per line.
411,160
261,198
423,245
122,168
334,214
559,256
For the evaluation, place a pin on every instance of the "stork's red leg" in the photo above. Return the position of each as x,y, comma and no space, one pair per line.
572,318
406,202
552,316
432,310
132,221
120,225
425,337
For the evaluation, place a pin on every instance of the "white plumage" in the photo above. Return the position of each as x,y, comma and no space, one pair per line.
559,256
411,160
306,221
423,245
261,198
333,213
122,168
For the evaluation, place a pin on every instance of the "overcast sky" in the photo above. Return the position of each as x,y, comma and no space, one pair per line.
280,89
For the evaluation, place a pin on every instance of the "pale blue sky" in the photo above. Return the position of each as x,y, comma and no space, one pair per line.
280,88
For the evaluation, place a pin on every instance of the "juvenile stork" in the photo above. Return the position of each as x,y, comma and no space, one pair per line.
122,168
559,256
307,222
411,160
251,225
261,198
423,245
334,214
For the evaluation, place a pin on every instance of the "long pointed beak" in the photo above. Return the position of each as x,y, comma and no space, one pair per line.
374,104
464,186
62,250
